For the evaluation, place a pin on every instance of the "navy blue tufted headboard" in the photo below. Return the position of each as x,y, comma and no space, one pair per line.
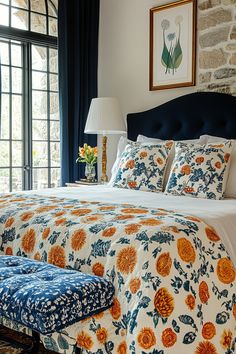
187,117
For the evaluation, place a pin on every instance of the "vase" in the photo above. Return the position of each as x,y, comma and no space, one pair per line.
90,172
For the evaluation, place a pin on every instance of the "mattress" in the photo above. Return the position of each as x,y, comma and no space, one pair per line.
220,214
171,271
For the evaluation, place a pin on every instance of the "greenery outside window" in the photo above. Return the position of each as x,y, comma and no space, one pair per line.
29,120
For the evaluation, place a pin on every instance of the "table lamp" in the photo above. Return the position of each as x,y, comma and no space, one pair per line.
105,117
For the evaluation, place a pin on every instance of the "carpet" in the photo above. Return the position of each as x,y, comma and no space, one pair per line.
12,342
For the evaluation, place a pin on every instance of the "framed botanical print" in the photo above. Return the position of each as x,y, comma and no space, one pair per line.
172,45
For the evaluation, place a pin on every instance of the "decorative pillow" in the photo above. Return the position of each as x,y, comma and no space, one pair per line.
230,190
144,139
142,167
200,170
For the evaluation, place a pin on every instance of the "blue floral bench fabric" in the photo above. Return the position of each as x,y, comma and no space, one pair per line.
47,298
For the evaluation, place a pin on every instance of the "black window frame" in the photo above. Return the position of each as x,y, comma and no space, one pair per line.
29,38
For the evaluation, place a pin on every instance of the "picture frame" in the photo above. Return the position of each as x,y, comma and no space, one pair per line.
172,45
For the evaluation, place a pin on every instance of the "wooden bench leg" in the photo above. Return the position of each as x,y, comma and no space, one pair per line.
33,349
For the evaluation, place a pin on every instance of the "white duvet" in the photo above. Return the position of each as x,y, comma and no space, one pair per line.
220,214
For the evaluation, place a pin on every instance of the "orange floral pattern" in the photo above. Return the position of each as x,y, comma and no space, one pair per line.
56,256
146,338
206,348
115,310
168,337
28,241
208,330
204,292
163,264
190,301
134,285
225,271
102,335
84,340
127,259
98,269
78,239
226,339
211,234
167,281
186,250
122,348
164,302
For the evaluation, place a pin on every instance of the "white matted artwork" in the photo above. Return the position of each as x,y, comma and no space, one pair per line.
172,45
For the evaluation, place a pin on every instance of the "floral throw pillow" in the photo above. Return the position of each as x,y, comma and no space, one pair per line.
200,170
142,167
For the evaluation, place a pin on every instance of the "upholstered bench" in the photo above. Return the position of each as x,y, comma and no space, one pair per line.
46,298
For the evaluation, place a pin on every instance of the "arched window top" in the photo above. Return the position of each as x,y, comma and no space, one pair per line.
31,15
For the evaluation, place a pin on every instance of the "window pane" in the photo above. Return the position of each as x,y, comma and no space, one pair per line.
53,82
5,117
38,6
38,23
40,130
20,3
54,106
19,19
54,130
55,177
5,78
52,7
17,153
16,80
17,117
40,154
4,2
55,154
53,27
53,60
39,58
40,178
16,58
39,80
4,156
4,52
39,105
4,180
4,15
17,177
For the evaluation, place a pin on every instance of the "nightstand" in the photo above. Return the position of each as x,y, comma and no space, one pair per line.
81,183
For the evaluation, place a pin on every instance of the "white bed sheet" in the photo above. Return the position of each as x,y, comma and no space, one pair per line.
220,214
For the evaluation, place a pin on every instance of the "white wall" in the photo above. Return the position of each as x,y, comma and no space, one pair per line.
123,69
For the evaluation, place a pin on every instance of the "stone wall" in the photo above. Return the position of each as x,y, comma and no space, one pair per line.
217,46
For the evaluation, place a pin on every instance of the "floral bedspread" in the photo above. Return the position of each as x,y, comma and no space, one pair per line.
175,283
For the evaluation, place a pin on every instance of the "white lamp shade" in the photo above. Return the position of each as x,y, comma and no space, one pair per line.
105,117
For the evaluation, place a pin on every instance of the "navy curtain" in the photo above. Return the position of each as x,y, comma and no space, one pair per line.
78,23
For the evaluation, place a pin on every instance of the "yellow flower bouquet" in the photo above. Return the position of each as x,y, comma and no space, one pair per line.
88,154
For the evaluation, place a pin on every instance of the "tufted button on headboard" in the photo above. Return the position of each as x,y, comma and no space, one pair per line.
187,117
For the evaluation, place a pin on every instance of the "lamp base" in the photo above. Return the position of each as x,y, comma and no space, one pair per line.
104,177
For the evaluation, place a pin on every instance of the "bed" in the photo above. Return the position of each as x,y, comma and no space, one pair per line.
170,258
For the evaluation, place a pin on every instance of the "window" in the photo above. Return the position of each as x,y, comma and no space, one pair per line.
29,120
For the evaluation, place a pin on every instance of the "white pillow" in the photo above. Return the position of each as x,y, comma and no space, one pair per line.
230,191
120,149
145,139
